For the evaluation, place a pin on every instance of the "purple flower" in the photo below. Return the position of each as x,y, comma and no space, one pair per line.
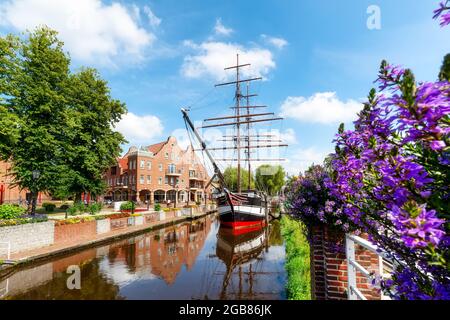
440,12
437,145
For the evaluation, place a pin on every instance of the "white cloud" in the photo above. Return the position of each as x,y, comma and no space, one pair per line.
279,43
140,130
301,159
220,29
92,31
322,107
152,18
288,136
212,57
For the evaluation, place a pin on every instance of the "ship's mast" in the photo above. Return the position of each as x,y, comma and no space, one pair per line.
248,138
239,118
238,127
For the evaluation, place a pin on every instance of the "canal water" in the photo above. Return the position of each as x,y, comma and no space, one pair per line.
195,260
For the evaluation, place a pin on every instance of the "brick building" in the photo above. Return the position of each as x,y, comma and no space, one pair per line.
159,173
10,193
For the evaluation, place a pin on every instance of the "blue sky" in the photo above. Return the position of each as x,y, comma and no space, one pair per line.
318,58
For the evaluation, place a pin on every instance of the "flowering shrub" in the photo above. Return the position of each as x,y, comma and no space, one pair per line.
390,178
19,221
392,174
74,221
310,200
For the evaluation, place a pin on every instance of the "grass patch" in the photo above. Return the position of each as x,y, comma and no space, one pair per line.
297,259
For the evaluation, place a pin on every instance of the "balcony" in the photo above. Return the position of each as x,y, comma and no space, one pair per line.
170,172
196,186
196,177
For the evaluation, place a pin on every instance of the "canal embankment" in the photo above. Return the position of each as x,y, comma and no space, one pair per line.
298,285
36,242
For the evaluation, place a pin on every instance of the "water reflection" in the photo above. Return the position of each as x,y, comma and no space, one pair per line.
195,260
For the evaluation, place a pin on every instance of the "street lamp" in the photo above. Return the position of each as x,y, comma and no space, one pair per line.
36,174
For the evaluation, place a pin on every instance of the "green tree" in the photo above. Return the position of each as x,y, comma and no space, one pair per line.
52,121
9,68
230,175
92,144
39,102
445,69
270,178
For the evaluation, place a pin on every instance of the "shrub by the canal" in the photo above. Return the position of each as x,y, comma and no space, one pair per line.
127,206
49,207
95,208
72,211
297,259
19,221
74,221
10,211
157,207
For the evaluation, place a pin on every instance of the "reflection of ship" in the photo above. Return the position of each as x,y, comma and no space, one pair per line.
239,208
238,250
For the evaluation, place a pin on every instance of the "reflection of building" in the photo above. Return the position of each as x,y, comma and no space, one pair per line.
158,173
10,193
163,253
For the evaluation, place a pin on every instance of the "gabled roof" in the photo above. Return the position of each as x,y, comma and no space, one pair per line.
155,148
123,163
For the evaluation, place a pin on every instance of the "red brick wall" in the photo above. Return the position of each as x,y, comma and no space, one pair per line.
75,232
329,266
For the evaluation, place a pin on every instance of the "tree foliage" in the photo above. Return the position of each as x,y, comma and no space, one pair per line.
444,74
230,175
270,178
54,121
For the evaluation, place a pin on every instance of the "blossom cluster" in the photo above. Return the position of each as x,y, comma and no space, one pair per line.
309,199
392,175
443,12
390,178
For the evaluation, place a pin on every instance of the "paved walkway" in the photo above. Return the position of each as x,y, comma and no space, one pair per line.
71,246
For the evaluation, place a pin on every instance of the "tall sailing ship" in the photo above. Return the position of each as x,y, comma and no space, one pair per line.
239,209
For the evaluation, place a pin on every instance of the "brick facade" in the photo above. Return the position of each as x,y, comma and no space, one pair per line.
329,266
10,193
158,173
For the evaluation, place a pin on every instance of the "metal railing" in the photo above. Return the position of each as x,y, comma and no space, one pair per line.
385,266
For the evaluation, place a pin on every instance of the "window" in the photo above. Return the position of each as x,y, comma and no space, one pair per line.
172,168
167,180
113,171
142,164
160,167
149,165
160,181
166,155
149,179
141,180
